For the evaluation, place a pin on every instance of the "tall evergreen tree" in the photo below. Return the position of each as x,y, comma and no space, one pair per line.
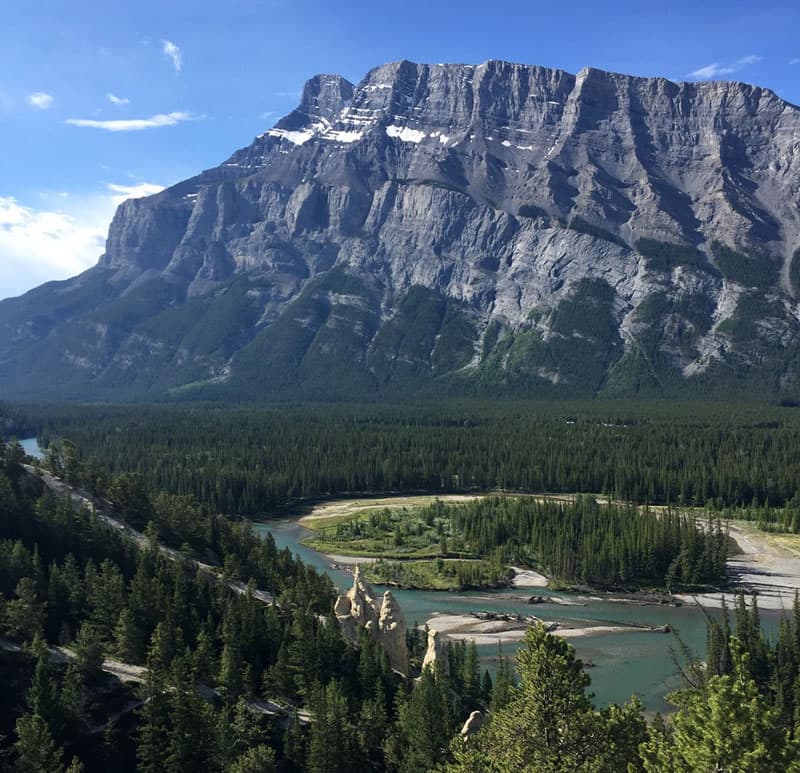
549,726
332,745
36,751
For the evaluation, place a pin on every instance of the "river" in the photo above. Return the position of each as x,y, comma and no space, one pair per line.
624,664
32,448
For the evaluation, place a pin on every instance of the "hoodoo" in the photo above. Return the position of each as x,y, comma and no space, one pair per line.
359,608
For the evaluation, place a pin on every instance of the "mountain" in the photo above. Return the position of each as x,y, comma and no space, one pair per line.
450,229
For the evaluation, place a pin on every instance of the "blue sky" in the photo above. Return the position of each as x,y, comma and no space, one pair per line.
101,100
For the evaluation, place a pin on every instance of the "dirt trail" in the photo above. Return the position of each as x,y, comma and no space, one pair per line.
127,672
83,500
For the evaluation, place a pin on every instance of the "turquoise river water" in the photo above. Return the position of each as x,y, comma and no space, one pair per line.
624,664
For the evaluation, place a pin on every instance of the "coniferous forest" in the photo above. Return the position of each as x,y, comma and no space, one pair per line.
200,645
581,541
251,460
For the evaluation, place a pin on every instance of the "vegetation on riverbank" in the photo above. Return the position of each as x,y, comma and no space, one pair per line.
572,542
440,574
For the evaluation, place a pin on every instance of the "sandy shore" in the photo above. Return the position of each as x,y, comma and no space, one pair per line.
769,565
469,628
527,578
345,507
335,558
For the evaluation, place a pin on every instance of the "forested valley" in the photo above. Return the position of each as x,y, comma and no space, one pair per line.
252,460
237,662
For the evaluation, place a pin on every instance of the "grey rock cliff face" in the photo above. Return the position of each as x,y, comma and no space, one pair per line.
514,193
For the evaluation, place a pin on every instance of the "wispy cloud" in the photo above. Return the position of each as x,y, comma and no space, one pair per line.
289,94
40,100
174,53
716,70
132,124
796,60
115,100
137,191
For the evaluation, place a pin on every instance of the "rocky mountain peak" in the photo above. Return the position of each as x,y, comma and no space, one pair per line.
323,98
493,226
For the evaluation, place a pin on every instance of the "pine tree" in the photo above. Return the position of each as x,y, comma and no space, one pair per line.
35,749
89,652
549,724
128,639
372,729
727,727
154,714
258,759
189,744
425,723
25,615
332,746
44,699
231,681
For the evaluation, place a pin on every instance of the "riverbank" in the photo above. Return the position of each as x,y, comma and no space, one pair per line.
625,662
426,578
768,565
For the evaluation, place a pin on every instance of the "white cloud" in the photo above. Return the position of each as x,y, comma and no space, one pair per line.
40,100
174,53
124,192
796,60
115,100
37,246
132,124
715,70
40,245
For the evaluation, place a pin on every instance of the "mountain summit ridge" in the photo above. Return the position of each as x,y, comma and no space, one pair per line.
492,228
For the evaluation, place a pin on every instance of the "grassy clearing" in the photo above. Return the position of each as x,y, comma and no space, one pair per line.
331,513
401,529
781,544
440,574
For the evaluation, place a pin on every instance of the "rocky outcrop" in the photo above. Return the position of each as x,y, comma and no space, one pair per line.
591,232
359,609
473,723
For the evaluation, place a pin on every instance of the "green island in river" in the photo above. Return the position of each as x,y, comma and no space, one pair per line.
469,542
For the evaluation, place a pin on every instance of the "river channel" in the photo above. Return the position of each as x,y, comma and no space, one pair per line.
623,664
631,662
